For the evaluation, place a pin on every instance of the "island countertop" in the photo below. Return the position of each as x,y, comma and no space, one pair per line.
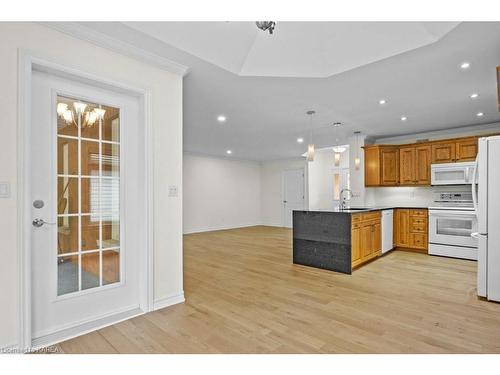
355,210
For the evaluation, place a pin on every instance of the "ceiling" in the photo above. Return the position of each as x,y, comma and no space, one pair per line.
295,49
241,72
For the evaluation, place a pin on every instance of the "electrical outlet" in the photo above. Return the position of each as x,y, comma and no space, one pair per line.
172,191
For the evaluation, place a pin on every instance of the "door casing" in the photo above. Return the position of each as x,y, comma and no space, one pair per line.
27,62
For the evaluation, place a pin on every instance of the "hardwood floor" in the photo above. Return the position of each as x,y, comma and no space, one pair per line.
244,295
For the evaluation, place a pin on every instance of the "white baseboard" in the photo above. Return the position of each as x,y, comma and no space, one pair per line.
221,227
83,328
174,299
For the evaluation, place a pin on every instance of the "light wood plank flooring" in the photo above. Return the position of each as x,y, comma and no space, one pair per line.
244,295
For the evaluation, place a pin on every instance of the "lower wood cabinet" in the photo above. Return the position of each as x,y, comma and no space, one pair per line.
411,229
365,237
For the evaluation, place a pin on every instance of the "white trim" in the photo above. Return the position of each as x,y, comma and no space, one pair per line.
27,61
105,41
173,299
221,227
81,328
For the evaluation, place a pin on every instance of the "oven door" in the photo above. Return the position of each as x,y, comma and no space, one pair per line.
452,173
452,227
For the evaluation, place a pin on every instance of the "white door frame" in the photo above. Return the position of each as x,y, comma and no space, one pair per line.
283,208
27,62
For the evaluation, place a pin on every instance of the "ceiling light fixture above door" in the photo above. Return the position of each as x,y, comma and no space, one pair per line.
310,146
266,25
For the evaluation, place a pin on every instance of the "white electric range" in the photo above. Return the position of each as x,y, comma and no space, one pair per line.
452,220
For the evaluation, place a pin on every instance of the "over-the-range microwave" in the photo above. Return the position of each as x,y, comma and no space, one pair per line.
452,173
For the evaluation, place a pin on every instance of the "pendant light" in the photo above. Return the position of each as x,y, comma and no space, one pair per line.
357,160
310,146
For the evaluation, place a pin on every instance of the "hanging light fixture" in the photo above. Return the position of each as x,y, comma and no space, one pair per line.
310,146
81,114
357,160
338,151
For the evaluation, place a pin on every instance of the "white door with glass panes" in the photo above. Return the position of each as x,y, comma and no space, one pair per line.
87,163
339,180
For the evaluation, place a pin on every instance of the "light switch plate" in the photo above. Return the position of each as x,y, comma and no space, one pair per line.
4,189
172,191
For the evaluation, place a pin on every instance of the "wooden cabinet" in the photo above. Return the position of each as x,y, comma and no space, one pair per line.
401,227
394,165
415,165
443,152
410,229
423,165
365,237
355,243
466,149
381,165
407,165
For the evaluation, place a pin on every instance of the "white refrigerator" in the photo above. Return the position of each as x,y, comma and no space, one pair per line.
486,196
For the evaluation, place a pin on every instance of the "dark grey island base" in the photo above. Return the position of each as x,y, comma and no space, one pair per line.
322,239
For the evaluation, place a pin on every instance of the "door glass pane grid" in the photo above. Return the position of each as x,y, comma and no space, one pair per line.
92,205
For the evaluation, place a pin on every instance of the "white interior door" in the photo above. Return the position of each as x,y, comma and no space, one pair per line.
88,206
293,194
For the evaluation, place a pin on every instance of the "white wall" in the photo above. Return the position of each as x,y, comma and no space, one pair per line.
220,193
166,90
271,175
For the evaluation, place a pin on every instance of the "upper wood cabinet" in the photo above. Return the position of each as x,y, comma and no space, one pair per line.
394,165
381,165
423,165
414,165
407,165
443,152
464,149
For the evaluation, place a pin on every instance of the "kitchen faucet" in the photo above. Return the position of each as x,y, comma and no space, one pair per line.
342,205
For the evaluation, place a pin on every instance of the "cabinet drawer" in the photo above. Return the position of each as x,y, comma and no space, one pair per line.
418,212
370,216
418,228
418,240
355,218
415,220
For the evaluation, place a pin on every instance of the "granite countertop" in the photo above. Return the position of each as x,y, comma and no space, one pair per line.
364,209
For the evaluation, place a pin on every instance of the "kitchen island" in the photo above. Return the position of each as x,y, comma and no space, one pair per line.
341,240
336,240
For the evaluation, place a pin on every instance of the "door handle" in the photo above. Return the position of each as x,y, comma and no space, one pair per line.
37,223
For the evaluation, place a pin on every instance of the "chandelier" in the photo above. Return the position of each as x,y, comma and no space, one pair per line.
266,25
79,114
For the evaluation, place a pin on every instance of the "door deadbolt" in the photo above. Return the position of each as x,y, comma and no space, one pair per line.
38,203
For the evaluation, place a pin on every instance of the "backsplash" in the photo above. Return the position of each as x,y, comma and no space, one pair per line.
406,195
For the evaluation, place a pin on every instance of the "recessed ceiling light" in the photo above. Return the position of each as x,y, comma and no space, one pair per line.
382,101
229,152
474,95
337,124
404,118
300,140
221,118
480,114
465,65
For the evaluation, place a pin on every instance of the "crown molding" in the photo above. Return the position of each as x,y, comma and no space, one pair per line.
105,41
